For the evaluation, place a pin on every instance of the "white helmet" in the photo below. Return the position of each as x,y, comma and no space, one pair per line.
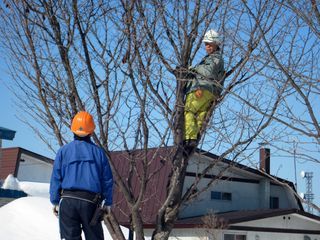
212,37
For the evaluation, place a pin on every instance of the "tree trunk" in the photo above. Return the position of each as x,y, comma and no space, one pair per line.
169,211
137,223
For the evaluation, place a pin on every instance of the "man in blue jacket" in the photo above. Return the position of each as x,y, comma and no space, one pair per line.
80,181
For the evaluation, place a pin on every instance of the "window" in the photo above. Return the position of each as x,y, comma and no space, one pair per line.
274,202
226,196
234,237
221,195
216,195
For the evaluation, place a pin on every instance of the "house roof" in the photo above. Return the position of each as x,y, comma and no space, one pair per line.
10,159
246,168
159,168
6,133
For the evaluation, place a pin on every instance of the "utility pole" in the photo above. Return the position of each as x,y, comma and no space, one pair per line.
295,163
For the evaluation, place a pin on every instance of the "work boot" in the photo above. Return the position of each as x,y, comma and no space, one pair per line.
189,146
190,143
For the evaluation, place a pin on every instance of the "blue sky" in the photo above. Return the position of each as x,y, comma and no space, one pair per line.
24,137
281,165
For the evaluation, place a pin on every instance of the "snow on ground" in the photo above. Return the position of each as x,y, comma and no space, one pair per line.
28,218
31,218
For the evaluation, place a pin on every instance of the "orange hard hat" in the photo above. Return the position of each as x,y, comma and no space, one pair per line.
82,124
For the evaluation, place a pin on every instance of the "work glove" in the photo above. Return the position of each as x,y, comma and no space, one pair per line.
198,93
55,210
106,209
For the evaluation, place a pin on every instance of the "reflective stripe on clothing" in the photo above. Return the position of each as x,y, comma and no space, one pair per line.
82,195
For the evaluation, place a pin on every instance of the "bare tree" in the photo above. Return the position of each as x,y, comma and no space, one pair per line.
213,226
117,59
182,34
292,54
54,46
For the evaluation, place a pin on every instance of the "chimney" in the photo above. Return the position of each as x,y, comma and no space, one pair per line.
265,160
264,184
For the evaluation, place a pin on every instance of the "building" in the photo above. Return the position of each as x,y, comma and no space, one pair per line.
25,165
241,203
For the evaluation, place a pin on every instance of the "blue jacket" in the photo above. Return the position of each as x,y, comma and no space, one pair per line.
81,165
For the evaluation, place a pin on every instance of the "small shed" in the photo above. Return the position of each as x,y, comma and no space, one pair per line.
25,165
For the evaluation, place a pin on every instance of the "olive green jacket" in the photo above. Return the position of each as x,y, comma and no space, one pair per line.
208,74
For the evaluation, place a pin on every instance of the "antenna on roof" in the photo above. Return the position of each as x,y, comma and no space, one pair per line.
308,196
295,162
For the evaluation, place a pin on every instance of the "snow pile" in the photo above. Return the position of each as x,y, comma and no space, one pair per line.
30,188
35,189
11,183
31,218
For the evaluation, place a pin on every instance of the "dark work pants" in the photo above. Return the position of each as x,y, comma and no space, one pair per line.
75,216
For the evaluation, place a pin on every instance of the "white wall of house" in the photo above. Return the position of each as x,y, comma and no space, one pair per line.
269,235
286,198
184,234
211,234
242,198
248,191
246,195
282,236
289,221
33,170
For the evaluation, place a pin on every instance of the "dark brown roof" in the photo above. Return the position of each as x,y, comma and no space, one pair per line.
10,158
157,172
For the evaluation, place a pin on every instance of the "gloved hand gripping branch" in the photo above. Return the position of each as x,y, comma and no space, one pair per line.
106,209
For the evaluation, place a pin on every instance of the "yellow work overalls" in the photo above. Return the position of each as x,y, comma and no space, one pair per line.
195,111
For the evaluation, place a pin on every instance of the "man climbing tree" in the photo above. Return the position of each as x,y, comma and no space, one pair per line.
204,86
